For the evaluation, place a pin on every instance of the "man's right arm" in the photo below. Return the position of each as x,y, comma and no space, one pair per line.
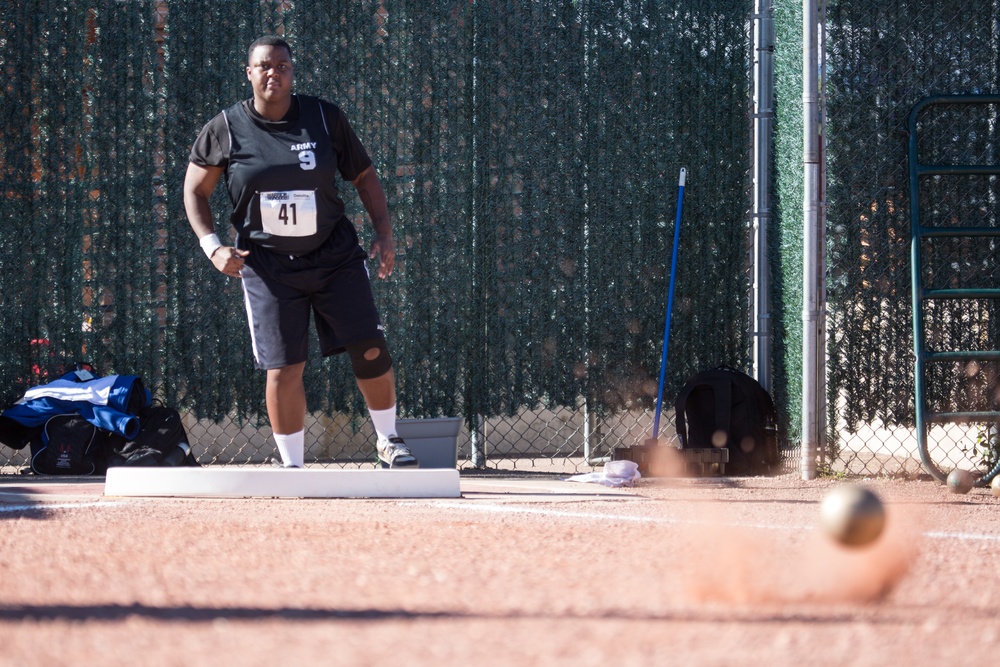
199,183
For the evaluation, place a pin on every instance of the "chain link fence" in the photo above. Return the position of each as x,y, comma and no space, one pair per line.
879,60
530,151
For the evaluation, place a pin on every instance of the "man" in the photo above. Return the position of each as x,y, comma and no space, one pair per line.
295,249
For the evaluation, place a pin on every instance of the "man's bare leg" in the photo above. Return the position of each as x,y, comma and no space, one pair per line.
285,395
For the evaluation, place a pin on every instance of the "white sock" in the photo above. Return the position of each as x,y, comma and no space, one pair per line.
292,448
384,422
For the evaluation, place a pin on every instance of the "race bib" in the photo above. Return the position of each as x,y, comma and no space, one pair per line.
289,212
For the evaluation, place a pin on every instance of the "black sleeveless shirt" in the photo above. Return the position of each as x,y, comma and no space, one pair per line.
281,176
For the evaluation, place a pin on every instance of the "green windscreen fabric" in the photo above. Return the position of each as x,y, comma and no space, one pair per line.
529,149
879,59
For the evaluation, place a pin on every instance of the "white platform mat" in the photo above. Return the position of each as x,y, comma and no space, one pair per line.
281,483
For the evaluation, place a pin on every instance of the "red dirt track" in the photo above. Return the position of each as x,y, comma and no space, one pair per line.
519,571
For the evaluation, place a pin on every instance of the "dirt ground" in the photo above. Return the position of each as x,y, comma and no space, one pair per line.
526,570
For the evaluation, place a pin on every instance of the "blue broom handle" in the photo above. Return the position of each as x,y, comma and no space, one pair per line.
670,302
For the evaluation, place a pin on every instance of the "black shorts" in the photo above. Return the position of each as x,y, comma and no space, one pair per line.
281,291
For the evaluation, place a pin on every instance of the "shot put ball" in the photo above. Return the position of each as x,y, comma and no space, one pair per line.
960,481
852,515
995,486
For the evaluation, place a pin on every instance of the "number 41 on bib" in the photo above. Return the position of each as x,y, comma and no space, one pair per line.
288,212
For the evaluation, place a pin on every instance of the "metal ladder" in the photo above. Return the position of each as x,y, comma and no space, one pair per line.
920,233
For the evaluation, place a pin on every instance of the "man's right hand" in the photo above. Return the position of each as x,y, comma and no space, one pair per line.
229,260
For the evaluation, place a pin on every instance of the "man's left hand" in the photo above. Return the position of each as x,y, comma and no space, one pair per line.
384,248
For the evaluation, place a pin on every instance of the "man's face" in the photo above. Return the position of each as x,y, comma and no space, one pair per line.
270,72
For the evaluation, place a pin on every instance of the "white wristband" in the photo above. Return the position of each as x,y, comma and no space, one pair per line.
210,243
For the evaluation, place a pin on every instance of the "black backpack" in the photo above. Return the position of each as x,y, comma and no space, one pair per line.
162,441
70,445
735,406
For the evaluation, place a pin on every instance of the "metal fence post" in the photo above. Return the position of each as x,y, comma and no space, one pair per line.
477,439
812,277
763,137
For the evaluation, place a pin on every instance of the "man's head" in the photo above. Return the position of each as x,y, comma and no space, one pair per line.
269,70
267,40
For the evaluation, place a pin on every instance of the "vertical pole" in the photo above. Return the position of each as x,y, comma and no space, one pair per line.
478,431
477,440
589,389
763,132
917,295
812,279
591,436
821,333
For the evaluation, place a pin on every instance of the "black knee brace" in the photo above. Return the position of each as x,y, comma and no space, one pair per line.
366,368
